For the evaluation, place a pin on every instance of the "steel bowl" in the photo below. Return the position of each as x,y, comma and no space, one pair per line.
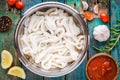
19,32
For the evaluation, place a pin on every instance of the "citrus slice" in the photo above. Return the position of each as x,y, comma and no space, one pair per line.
17,71
6,59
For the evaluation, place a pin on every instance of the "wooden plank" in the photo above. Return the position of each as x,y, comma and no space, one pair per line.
79,73
28,4
69,2
55,78
115,15
7,40
91,25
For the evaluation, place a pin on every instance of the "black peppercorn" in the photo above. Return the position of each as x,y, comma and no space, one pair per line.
5,23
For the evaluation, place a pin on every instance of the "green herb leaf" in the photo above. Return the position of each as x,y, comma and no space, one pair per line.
98,49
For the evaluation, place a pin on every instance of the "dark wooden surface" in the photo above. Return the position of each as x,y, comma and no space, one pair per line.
6,39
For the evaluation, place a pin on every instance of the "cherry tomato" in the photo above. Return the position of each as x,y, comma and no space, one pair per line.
19,5
104,17
12,2
88,15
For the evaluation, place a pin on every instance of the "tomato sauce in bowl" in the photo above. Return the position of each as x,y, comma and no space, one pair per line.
102,67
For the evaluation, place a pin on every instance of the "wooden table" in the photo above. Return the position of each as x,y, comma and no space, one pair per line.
6,39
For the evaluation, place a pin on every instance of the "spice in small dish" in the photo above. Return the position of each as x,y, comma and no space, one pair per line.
101,67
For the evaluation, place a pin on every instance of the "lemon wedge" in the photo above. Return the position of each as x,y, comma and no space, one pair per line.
17,71
6,59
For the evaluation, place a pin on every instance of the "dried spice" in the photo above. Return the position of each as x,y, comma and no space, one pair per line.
5,23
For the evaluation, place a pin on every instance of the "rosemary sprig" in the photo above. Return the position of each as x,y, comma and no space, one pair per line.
98,49
117,25
110,46
115,36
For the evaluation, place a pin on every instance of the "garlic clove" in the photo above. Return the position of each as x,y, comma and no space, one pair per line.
85,5
101,33
96,9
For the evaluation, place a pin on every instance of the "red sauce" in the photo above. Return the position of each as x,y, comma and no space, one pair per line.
102,68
